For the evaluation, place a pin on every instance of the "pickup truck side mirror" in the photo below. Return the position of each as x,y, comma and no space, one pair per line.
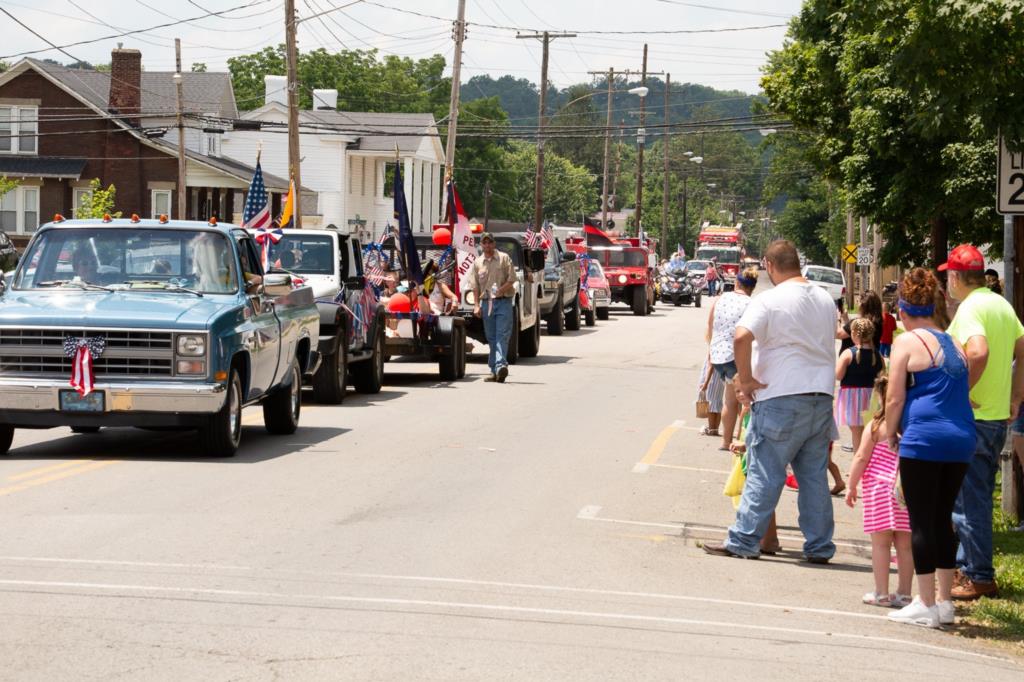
277,284
536,259
568,256
357,282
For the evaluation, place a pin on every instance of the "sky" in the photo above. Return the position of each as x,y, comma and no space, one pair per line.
727,60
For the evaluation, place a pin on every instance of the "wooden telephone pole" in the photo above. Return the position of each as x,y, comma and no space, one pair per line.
291,57
453,104
664,189
538,192
182,191
641,133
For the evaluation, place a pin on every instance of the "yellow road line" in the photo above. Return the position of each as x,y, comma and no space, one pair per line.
660,443
39,471
88,465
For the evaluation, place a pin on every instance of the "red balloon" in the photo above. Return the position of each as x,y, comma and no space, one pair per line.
442,236
399,303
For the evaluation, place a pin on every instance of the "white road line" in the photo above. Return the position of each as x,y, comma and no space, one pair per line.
679,424
640,468
108,562
589,512
900,644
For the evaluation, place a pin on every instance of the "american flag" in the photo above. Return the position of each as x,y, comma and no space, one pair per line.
547,236
375,272
256,213
532,238
384,235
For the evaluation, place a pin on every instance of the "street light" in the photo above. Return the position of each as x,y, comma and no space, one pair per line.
697,160
641,134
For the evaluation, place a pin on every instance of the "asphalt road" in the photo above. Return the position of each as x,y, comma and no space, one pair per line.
547,528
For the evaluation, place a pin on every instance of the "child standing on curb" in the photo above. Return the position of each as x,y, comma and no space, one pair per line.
885,518
856,370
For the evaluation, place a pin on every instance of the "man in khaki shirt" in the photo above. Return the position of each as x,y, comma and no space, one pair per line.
494,281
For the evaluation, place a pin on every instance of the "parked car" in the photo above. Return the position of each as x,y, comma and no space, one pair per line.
559,297
175,321
8,253
598,294
351,341
831,280
681,285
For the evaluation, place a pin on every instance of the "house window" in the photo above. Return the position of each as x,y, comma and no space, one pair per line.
211,144
362,176
161,202
19,128
19,210
388,189
78,197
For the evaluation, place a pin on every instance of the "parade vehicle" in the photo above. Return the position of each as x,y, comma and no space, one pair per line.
630,271
351,341
681,284
560,294
528,264
156,324
598,293
724,245
831,280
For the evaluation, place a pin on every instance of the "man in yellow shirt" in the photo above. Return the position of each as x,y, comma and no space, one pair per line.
987,327
494,281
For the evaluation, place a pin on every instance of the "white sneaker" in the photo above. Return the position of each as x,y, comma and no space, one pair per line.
947,612
917,614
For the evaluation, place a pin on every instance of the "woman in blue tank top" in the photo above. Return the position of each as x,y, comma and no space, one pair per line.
935,439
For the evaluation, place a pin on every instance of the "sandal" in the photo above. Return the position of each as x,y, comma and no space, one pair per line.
898,601
706,431
876,599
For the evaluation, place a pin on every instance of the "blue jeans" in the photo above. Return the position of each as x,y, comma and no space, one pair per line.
794,430
712,287
498,328
972,515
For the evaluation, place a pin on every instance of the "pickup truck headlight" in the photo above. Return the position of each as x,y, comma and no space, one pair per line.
470,298
191,345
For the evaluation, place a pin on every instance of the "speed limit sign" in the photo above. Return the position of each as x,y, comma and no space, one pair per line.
1011,180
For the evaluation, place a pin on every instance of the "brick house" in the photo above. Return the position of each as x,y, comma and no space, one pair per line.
61,127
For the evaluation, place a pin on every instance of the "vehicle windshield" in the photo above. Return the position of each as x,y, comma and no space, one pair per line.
129,259
627,258
304,254
722,255
696,266
824,276
594,269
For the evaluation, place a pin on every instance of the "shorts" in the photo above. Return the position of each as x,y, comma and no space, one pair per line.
726,370
851,404
884,349
1017,427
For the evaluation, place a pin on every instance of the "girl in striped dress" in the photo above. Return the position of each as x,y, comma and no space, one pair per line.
876,466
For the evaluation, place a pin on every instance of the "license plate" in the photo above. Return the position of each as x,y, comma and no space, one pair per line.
71,401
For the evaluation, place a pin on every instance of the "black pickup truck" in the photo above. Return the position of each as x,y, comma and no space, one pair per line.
560,295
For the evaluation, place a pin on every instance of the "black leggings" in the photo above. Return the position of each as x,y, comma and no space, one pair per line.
930,489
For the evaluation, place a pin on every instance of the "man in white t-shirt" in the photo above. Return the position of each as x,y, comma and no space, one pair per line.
789,377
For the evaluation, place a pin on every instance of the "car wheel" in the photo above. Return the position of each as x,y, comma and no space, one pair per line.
222,433
696,302
556,320
329,381
368,375
572,320
448,363
85,429
639,301
602,313
588,317
282,408
529,341
6,438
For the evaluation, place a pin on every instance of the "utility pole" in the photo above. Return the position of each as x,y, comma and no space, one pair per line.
453,104
638,214
487,205
664,189
847,267
607,152
291,57
538,192
863,242
181,193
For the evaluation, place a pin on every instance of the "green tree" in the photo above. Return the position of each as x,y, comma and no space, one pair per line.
582,147
568,188
98,202
479,159
198,67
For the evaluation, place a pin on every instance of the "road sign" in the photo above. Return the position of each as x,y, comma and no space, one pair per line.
865,256
850,253
1010,187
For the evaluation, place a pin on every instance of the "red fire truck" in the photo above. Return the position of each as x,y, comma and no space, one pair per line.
629,265
724,245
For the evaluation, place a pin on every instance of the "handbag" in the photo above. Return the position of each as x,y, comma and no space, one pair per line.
702,405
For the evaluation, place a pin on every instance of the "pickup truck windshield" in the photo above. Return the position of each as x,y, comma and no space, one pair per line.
304,254
721,254
129,259
627,259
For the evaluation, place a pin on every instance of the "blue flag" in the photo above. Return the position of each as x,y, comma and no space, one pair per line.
406,242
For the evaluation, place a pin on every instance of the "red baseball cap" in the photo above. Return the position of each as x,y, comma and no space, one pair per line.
964,257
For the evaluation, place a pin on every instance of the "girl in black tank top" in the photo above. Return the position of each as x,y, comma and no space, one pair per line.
856,370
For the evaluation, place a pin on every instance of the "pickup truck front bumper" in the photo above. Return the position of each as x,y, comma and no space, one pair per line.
36,403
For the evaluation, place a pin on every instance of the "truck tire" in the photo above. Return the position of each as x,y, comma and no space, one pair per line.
529,341
222,433
514,339
6,438
696,301
588,317
448,363
281,409
639,301
556,319
85,429
329,381
572,320
602,313
368,375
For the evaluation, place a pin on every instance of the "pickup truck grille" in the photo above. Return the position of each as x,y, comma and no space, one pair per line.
40,352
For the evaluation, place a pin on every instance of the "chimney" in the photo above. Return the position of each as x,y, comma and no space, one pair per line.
325,99
125,82
275,89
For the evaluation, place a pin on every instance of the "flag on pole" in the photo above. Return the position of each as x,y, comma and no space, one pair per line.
406,241
595,235
532,238
462,237
287,218
547,236
256,213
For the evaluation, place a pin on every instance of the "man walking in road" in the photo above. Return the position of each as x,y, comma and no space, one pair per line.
988,328
790,383
494,281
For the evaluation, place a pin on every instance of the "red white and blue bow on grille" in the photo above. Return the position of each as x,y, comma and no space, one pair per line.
265,238
82,351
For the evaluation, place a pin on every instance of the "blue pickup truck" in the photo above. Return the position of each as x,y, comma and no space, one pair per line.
155,324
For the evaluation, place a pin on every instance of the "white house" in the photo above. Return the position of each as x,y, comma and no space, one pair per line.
345,160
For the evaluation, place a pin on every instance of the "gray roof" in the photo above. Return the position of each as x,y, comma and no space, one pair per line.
204,93
376,130
229,166
41,166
